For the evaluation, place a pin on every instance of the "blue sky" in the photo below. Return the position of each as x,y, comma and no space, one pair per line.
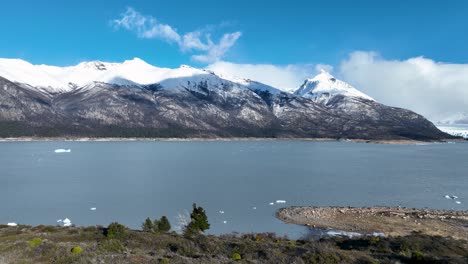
274,32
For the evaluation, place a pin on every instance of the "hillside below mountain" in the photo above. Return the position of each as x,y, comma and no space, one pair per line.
135,99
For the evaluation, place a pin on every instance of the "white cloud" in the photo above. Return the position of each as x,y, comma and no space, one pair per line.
286,78
436,90
215,52
148,27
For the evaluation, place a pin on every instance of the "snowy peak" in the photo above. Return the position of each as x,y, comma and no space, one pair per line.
325,86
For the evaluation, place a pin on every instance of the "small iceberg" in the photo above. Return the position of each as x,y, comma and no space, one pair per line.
280,201
59,221
12,224
457,202
93,208
224,222
66,222
453,197
272,203
62,150
221,212
254,208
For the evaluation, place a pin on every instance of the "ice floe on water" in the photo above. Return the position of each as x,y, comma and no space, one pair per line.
224,222
93,208
254,208
378,234
12,224
280,201
453,197
62,150
65,222
221,211
457,202
343,233
272,203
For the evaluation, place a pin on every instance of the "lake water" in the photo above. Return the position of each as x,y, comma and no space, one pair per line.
129,181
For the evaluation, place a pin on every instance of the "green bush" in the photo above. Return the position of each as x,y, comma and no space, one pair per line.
417,255
112,245
115,230
76,250
164,260
35,242
236,257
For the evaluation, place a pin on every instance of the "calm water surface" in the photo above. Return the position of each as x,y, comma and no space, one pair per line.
129,181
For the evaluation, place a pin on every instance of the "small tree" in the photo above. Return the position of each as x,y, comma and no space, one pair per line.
115,230
147,226
163,224
199,221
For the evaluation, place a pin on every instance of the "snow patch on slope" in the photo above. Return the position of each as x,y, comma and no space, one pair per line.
324,86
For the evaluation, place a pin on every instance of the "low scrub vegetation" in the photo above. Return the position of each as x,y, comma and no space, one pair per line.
135,246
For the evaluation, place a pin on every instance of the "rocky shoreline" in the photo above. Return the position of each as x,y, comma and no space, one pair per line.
391,221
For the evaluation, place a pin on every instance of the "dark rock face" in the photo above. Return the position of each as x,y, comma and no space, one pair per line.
199,109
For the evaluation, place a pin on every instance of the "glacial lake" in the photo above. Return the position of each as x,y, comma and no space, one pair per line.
129,181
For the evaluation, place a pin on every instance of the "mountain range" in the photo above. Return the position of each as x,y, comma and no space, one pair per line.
136,99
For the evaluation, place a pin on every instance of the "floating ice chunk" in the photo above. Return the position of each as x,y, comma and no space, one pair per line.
93,208
272,203
224,222
254,208
59,221
457,202
343,233
67,222
453,197
12,224
221,211
62,150
280,201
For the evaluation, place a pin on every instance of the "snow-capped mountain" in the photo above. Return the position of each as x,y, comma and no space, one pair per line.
134,98
323,87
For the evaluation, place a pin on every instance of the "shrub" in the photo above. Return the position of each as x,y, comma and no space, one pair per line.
112,245
76,250
164,225
164,260
417,255
115,230
236,257
35,242
147,226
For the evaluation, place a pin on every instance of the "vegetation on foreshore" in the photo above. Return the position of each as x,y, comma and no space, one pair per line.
63,244
156,244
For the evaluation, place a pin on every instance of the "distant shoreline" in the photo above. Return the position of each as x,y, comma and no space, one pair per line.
131,139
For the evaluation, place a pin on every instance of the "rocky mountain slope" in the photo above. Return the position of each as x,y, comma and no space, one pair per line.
135,99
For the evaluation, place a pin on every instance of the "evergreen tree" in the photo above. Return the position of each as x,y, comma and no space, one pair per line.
156,226
147,226
164,225
199,221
